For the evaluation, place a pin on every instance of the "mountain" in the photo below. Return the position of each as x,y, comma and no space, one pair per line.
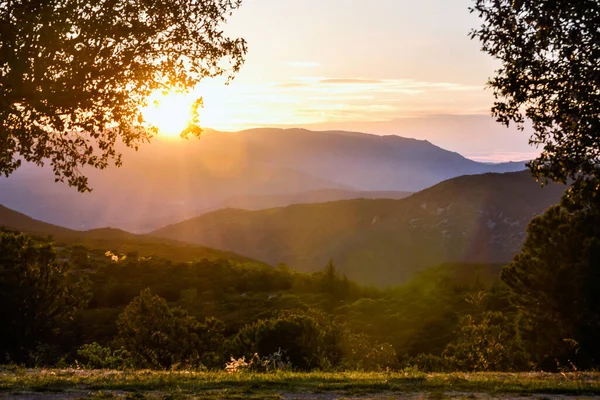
359,160
115,240
171,179
478,218
267,201
17,221
314,196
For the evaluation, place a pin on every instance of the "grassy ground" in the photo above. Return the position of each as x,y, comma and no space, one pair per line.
55,384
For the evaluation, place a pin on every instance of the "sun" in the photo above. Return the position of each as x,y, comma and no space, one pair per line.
170,112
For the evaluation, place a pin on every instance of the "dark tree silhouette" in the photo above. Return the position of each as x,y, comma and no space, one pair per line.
550,74
74,74
555,284
158,336
38,294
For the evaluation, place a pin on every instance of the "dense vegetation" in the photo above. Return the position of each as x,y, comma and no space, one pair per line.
163,314
119,311
70,305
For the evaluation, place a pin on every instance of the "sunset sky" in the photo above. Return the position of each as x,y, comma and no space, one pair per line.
377,66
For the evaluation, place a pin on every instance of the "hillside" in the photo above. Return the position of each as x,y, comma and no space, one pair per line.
314,196
114,239
263,202
168,181
15,220
480,218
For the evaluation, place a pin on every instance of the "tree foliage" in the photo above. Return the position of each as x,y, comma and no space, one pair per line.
485,343
555,282
74,74
158,336
281,314
308,339
550,75
38,293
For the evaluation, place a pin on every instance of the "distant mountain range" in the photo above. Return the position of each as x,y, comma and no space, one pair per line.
172,180
478,218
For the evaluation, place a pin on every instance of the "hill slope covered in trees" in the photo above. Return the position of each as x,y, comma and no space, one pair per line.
480,218
115,240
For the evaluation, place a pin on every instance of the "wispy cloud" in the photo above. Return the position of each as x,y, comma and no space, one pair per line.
496,157
309,99
302,64
337,81
290,85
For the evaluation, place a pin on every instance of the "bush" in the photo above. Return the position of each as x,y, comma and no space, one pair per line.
428,363
95,356
362,352
486,343
160,337
306,340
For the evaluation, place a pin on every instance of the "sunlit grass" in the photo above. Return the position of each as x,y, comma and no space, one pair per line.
223,385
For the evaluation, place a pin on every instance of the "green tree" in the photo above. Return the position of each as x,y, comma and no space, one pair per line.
308,340
330,279
74,74
555,285
550,75
487,342
38,294
157,336
362,352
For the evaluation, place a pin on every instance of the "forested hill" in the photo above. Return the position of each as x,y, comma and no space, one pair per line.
21,222
480,218
115,240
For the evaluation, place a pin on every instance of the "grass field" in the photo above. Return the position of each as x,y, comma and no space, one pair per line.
74,384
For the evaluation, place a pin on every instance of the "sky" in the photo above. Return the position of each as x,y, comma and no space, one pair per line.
378,66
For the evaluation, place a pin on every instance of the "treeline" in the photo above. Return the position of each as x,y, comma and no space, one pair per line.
114,310
73,306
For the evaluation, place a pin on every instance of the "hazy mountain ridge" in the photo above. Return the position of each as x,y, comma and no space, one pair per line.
259,202
314,196
360,160
114,239
479,218
171,180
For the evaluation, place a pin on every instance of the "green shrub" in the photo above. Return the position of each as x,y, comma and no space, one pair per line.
486,343
95,356
161,337
428,363
362,352
306,339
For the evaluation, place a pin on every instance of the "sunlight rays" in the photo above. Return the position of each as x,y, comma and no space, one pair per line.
170,112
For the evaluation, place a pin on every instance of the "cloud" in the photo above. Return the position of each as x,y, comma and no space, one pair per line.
496,157
349,81
313,98
290,85
302,64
